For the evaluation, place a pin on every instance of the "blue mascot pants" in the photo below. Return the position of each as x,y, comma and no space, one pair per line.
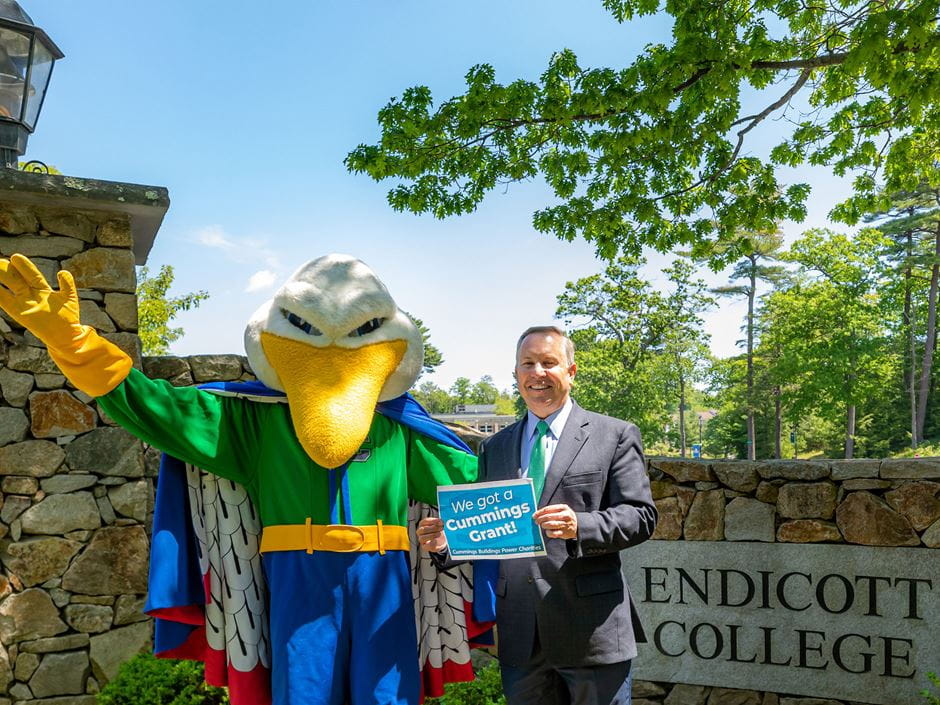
342,628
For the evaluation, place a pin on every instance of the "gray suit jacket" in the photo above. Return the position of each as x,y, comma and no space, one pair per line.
576,595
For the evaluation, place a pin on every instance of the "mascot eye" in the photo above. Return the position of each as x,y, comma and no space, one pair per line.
367,327
299,322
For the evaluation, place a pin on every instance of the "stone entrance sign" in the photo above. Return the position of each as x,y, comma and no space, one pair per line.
847,622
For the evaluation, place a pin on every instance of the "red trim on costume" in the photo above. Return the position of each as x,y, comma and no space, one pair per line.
215,667
433,679
251,687
194,648
245,687
186,614
475,628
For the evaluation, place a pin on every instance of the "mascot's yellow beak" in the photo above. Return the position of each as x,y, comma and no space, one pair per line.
332,391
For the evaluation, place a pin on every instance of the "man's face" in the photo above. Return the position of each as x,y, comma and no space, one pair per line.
543,373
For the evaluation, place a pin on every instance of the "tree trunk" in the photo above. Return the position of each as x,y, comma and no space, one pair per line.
778,424
682,415
751,445
850,432
926,366
910,381
910,374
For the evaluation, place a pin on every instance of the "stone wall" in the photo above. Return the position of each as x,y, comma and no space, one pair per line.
862,502
75,497
76,518
866,502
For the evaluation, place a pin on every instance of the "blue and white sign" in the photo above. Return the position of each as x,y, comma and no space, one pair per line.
490,520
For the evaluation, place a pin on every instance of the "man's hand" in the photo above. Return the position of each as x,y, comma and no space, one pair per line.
431,535
558,521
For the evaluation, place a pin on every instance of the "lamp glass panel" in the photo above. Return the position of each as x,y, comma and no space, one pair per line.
38,80
14,57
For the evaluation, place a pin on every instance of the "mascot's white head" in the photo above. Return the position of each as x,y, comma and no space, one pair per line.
333,339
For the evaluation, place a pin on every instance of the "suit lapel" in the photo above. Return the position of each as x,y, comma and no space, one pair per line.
573,438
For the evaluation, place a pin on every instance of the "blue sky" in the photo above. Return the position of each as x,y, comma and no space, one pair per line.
245,111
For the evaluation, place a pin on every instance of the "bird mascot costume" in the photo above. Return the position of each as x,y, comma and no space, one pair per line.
281,551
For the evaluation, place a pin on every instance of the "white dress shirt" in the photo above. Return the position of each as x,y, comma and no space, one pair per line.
556,424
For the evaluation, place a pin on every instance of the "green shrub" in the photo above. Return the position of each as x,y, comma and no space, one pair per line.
487,689
147,680
933,697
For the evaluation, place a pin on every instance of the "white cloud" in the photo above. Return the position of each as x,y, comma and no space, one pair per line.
261,280
214,236
241,250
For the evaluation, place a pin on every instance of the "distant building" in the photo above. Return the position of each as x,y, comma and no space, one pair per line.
479,417
475,409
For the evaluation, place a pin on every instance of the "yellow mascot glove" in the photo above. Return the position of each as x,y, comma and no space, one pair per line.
93,364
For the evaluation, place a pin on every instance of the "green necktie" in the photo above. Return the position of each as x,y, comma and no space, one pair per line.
537,460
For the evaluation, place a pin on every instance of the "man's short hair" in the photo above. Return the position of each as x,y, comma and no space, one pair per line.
569,346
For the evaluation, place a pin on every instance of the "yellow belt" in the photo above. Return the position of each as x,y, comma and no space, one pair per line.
342,538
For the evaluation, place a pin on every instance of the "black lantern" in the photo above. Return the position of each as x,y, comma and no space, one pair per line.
26,58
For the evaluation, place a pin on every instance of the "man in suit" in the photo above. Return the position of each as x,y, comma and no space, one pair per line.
566,623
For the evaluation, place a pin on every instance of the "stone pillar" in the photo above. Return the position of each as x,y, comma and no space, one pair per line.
75,496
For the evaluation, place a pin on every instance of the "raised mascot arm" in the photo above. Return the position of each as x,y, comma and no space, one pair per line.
91,363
